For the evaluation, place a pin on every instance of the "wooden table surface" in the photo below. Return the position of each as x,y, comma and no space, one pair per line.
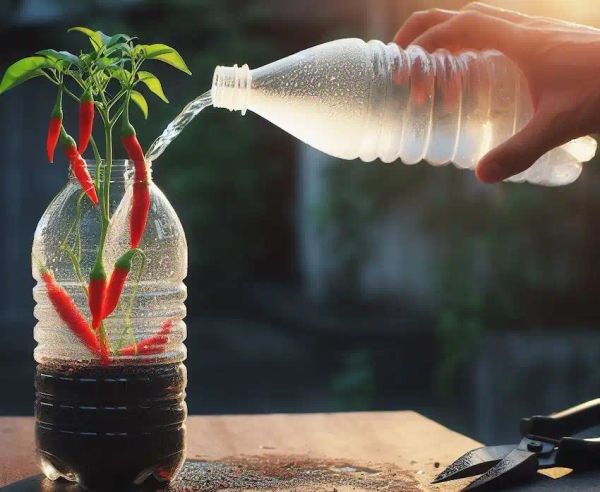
396,451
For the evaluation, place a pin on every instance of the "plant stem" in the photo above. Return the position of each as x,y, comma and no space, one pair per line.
118,114
98,159
75,256
105,194
105,197
116,98
104,336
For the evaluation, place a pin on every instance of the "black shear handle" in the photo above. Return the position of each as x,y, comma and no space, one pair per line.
565,423
578,454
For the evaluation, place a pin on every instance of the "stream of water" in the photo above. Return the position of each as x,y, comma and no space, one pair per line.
174,128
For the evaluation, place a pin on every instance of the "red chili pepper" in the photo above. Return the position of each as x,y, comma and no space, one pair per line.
117,281
131,144
140,202
85,180
166,327
156,344
97,293
54,127
78,166
69,313
140,206
86,119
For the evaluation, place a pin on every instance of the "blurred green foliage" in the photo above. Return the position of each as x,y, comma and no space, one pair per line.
358,194
353,387
509,256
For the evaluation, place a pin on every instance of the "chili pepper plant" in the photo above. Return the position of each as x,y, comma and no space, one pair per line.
104,81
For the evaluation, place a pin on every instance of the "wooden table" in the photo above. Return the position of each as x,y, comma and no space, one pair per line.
394,451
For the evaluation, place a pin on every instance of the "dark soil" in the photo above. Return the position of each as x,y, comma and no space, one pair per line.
111,425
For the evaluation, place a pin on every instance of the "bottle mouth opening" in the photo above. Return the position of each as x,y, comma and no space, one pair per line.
231,88
121,170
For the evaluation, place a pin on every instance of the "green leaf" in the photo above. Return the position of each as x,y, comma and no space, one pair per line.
115,39
165,54
142,49
140,100
103,37
107,61
121,74
86,59
96,37
153,84
64,56
22,70
124,47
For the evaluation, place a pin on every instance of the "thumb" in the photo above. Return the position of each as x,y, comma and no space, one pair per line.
519,152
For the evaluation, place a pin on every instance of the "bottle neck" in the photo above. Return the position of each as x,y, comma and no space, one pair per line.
231,88
121,171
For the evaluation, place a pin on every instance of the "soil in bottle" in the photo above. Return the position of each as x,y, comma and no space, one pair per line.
109,427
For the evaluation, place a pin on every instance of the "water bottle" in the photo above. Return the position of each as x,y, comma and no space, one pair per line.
350,98
110,425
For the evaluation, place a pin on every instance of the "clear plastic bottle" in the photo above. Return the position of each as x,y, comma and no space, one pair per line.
350,98
112,425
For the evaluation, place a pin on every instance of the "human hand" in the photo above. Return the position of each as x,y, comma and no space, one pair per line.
560,60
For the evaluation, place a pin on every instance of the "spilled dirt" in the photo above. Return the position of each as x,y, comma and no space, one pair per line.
290,473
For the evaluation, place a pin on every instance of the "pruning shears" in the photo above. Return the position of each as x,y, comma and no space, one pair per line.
546,442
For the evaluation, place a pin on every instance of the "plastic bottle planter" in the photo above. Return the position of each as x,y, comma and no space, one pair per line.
119,421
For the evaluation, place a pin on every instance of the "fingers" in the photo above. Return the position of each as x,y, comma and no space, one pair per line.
509,15
527,20
473,30
520,151
419,22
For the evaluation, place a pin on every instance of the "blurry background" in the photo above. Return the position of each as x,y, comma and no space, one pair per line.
317,284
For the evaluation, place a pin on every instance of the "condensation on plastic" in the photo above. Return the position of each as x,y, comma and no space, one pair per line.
161,292
353,99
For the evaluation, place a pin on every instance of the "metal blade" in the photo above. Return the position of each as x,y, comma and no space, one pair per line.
474,462
518,466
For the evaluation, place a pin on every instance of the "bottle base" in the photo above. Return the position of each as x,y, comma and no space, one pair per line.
109,428
164,472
